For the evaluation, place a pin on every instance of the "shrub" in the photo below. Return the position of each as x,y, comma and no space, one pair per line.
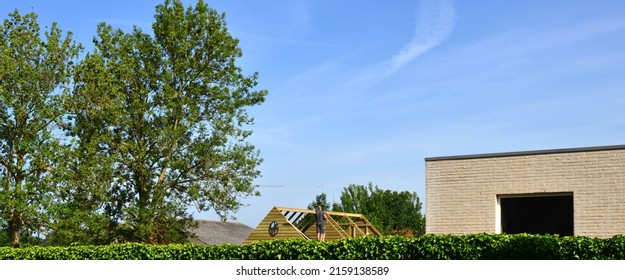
425,247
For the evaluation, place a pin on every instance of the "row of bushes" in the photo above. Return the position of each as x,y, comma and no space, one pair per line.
426,247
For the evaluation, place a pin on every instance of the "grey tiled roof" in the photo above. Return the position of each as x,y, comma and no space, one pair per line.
217,232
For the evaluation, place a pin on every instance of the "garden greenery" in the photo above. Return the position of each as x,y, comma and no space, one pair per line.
425,247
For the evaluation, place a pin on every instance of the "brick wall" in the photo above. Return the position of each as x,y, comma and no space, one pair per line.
461,192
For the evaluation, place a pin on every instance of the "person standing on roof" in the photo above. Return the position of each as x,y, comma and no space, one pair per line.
322,217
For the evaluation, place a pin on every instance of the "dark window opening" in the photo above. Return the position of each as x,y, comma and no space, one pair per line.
537,214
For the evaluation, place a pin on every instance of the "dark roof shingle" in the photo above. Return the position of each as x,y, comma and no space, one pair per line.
217,232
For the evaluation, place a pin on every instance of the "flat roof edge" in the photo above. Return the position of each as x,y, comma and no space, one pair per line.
528,153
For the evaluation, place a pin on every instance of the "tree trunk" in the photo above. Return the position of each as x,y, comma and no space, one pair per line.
145,220
15,224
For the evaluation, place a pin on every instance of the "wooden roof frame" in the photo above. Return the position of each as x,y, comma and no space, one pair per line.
300,223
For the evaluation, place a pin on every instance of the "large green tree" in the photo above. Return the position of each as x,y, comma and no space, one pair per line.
161,121
356,199
35,70
392,212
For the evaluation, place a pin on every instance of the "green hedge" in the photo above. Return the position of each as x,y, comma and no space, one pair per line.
426,247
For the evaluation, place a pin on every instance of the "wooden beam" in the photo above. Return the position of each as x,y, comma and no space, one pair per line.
293,214
331,213
336,227
298,216
360,224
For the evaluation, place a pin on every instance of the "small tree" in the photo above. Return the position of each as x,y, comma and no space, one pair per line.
322,200
397,212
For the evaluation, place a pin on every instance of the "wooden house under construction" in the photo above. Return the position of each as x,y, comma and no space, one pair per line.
284,223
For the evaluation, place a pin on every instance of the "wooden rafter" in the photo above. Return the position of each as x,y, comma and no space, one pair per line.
299,223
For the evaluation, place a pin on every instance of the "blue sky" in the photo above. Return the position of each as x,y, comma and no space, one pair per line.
363,91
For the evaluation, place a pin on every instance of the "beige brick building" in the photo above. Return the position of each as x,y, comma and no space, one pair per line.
578,191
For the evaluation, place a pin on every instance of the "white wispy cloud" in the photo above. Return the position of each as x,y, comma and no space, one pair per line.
435,23
335,92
